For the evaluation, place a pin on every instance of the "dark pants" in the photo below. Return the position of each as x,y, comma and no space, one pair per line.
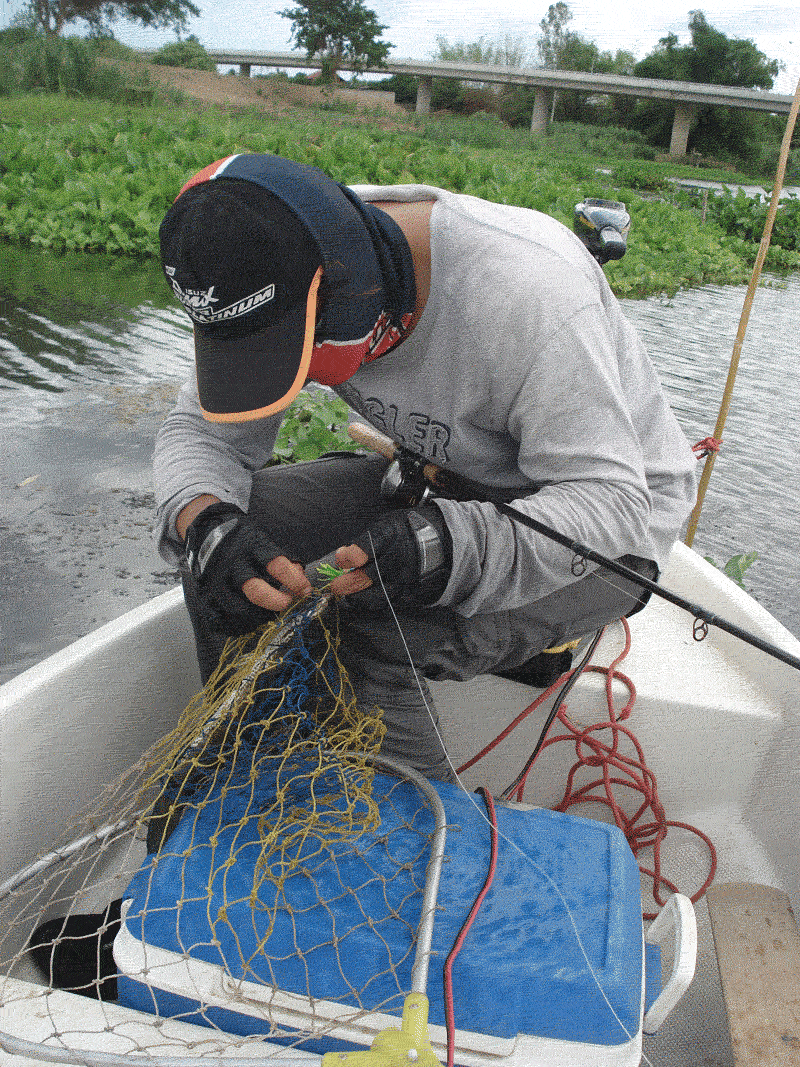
310,509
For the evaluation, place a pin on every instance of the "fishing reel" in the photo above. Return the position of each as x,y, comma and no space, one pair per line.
404,482
603,227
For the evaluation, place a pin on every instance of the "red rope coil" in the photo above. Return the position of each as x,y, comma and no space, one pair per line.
648,826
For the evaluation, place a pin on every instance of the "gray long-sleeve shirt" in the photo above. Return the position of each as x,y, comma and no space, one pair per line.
522,373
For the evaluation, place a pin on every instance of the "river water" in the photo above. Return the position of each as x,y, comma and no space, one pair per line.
91,355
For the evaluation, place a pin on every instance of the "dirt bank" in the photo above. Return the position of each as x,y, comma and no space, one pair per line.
275,96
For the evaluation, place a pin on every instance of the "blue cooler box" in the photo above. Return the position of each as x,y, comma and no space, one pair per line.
552,970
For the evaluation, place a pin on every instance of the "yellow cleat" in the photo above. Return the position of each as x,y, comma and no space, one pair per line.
392,1047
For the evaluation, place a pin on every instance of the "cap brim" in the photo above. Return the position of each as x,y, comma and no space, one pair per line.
245,376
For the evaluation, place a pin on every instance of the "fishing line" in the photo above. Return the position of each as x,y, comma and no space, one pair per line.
484,817
410,658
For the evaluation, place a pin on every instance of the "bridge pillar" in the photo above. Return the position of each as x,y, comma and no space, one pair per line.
681,125
424,93
244,70
542,109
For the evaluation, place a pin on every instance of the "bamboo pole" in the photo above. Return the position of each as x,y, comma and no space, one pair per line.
745,316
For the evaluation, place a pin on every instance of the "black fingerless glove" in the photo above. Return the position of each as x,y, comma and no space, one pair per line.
223,548
410,559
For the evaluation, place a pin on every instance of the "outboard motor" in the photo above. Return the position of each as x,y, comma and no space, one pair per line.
603,227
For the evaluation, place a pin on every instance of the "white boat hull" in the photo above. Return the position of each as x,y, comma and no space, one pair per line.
719,723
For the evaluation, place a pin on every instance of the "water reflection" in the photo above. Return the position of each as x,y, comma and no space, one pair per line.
70,325
80,329
751,499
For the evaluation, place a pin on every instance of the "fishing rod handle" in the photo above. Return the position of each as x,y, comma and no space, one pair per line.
378,442
415,470
373,439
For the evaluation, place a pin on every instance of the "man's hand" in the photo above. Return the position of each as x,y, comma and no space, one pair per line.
239,572
409,554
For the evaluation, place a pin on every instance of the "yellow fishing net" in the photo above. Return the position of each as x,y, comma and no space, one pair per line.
276,737
279,719
249,841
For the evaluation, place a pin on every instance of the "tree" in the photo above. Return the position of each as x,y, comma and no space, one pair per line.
188,53
715,59
711,58
468,97
554,36
561,49
335,30
510,52
51,16
582,55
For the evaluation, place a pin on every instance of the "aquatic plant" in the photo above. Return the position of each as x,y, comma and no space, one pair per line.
93,177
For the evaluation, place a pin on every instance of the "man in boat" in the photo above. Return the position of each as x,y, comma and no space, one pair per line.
482,337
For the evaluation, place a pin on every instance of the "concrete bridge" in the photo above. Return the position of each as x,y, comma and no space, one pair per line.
686,96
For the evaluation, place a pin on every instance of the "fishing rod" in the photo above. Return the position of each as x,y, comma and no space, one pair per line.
411,480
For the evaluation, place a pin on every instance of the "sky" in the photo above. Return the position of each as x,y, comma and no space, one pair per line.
413,26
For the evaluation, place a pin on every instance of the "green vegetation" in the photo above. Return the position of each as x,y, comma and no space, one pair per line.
562,49
91,159
88,176
334,30
187,53
76,67
730,135
744,216
315,423
736,567
716,59
51,16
